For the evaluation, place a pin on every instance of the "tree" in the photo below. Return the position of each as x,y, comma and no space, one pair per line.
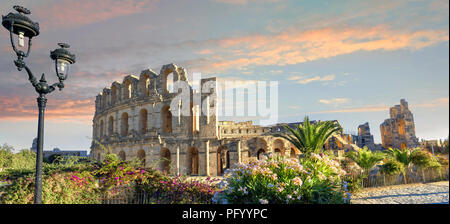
404,156
6,155
309,137
365,158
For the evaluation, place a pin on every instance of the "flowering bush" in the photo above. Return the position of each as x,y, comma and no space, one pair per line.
57,188
178,190
316,179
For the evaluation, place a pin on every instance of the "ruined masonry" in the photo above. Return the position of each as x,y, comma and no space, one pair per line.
134,119
399,131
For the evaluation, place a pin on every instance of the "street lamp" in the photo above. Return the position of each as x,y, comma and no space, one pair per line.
21,27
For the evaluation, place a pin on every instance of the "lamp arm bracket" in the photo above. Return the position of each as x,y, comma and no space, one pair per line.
21,64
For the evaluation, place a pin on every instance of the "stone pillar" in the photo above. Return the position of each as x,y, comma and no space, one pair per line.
207,158
239,151
178,159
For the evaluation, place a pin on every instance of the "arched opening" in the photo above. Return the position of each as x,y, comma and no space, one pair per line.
166,117
141,156
101,128
294,153
223,160
122,155
401,128
104,100
127,89
111,126
193,161
124,124
143,116
114,95
260,153
278,146
165,160
144,85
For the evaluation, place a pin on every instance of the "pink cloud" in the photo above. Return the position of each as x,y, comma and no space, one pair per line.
25,108
69,13
296,46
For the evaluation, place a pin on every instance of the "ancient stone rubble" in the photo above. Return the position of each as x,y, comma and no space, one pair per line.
399,131
364,138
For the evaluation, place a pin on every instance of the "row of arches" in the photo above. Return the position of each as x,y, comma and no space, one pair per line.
166,126
192,165
142,86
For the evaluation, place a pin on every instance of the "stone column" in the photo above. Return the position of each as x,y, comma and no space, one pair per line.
207,158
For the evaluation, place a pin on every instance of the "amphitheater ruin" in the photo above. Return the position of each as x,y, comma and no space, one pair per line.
135,119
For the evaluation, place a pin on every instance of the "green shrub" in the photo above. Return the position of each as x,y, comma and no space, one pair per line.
57,188
315,179
392,167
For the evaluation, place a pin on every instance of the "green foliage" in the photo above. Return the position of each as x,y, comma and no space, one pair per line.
57,188
425,159
354,184
310,138
404,156
392,167
315,179
443,161
23,160
5,157
365,158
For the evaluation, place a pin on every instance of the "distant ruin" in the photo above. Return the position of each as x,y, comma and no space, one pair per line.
399,130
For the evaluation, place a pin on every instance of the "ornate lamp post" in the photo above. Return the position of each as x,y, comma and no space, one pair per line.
20,27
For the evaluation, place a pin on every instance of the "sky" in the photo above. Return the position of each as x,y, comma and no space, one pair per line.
347,60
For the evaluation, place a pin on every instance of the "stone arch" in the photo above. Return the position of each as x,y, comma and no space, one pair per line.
294,152
111,125
260,153
278,147
401,127
143,118
141,156
102,130
127,91
122,155
166,118
193,161
144,83
124,124
104,100
167,70
165,160
114,94
223,159
258,146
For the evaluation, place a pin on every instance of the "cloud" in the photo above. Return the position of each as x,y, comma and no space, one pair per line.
70,13
293,46
244,2
363,109
25,108
335,101
440,102
305,80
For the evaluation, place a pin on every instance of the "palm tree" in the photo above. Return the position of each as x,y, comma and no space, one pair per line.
309,137
404,156
365,158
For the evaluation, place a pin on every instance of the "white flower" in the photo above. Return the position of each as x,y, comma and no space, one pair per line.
263,201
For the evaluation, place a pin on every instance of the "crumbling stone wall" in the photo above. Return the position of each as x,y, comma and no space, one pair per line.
399,130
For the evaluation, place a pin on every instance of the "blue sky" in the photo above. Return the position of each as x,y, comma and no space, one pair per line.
344,60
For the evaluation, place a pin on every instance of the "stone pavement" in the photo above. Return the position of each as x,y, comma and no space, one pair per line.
429,193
